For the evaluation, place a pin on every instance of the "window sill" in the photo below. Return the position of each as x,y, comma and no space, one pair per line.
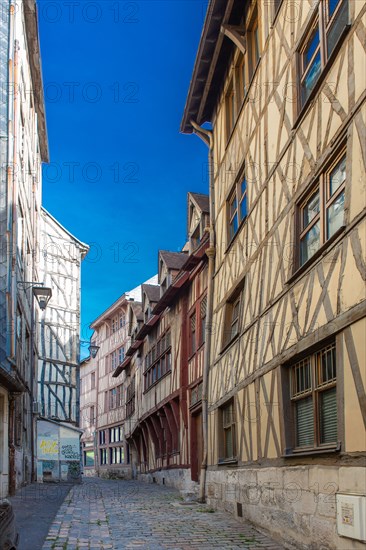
305,107
313,452
227,462
323,250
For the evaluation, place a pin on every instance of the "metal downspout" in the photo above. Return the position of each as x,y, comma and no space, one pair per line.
207,137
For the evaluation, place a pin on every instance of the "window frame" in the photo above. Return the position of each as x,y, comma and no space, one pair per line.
224,428
236,298
326,200
236,194
253,42
159,352
324,24
193,333
314,392
230,107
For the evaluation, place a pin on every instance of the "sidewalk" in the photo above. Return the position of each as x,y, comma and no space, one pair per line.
35,508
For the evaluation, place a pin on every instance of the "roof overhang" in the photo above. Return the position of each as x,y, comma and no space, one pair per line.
31,29
11,382
213,54
135,346
122,366
146,328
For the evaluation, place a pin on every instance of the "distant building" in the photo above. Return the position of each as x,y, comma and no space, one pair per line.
103,399
281,84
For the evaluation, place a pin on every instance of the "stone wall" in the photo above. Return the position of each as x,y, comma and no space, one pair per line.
296,505
180,478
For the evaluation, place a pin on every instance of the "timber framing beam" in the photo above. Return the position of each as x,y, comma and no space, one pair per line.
236,34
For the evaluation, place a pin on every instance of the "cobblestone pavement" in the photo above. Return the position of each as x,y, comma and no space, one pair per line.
101,514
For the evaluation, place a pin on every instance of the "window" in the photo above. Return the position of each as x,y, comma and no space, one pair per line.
103,457
113,358
192,334
117,455
322,211
314,399
121,355
330,21
115,324
92,381
230,108
253,41
241,79
102,437
122,320
92,415
89,458
112,398
276,7
203,312
130,398
158,360
232,316
115,397
115,434
228,437
237,207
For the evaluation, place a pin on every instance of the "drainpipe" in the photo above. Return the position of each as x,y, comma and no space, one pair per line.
207,138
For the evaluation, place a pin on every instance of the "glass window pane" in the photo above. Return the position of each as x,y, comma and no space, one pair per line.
233,226
256,44
243,187
312,76
328,416
243,208
311,209
311,47
332,4
310,243
335,215
337,27
304,422
233,207
337,176
229,443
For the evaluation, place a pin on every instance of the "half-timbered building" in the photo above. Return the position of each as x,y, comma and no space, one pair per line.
165,363
103,397
281,84
23,147
58,376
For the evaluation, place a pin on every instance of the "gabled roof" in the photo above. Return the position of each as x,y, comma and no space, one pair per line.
152,292
211,63
173,260
137,310
202,201
83,246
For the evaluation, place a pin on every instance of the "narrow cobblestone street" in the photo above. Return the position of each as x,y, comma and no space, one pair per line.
113,514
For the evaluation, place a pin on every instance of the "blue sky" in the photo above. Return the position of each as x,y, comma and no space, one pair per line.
116,75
